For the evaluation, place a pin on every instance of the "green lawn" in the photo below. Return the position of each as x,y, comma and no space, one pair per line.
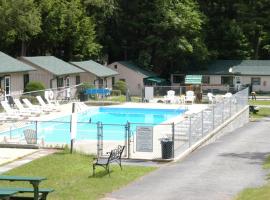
71,176
261,193
263,112
259,102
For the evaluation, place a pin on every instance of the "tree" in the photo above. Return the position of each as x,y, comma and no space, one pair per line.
67,31
157,33
20,21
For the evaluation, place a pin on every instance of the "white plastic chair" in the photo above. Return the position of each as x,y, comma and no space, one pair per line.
211,97
170,97
228,95
189,97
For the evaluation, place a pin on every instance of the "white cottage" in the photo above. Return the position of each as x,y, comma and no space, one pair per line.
132,74
14,75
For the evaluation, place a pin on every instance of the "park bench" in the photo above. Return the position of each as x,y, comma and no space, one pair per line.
114,156
10,192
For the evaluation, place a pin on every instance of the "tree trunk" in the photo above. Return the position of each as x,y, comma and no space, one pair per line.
23,49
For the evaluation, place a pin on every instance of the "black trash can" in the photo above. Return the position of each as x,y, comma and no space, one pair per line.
166,148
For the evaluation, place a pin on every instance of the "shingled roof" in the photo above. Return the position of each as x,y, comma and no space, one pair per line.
54,65
95,68
9,64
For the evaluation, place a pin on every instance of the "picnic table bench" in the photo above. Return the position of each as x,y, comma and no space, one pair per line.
114,156
39,194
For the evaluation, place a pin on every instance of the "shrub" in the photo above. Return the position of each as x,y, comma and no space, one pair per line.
35,86
122,86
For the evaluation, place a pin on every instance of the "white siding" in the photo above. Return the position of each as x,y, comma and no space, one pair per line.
134,80
87,77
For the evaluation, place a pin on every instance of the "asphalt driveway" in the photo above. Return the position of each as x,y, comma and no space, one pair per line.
217,171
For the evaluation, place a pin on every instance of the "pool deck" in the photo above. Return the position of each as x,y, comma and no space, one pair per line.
87,146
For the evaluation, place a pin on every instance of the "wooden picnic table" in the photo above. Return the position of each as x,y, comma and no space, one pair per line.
34,181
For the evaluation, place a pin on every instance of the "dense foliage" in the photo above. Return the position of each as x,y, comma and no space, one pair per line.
160,35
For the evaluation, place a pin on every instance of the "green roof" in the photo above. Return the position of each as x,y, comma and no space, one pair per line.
95,68
9,64
241,67
131,65
54,65
193,79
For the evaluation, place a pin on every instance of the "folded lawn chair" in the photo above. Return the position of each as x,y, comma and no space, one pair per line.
26,110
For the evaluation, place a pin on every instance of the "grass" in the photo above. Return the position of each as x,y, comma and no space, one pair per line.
263,112
259,102
260,193
71,176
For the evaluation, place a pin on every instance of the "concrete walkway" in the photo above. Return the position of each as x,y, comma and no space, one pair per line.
217,171
16,158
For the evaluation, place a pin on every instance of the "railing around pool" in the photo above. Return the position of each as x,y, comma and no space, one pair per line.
142,140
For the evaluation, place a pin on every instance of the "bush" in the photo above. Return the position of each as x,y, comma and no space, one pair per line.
122,86
35,86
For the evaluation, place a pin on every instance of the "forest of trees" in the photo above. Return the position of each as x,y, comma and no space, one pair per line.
160,35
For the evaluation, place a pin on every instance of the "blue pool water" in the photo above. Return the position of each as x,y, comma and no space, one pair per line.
113,120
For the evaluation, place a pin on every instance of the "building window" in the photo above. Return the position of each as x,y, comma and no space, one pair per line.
7,85
178,78
115,66
60,82
227,80
113,81
25,80
256,81
67,81
78,80
206,79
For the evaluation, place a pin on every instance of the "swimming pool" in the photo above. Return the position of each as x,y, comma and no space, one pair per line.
113,119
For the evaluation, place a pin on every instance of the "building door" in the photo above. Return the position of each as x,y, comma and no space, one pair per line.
7,85
67,81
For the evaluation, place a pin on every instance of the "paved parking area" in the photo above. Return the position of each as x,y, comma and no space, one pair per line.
217,171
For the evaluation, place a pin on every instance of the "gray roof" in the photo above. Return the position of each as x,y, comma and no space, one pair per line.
54,65
241,67
95,68
131,65
9,64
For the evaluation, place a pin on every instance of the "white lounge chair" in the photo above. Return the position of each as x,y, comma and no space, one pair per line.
13,113
35,107
46,106
26,110
211,97
170,97
81,107
190,97
228,95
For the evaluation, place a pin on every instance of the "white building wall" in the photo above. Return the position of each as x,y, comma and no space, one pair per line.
134,80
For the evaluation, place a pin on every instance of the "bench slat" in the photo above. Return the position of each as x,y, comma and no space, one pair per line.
30,190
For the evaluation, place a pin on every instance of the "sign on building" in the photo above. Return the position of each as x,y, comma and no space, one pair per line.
144,139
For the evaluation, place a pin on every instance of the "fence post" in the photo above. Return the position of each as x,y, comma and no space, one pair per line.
222,112
189,135
128,131
97,139
173,139
202,123
213,109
